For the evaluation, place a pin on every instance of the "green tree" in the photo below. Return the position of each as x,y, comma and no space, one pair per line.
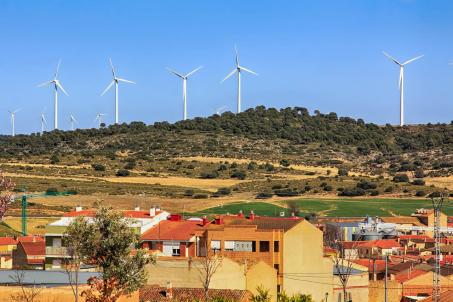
108,243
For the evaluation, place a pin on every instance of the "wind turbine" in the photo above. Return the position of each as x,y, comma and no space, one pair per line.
43,122
220,110
72,120
100,119
184,87
57,85
401,82
238,69
115,81
13,122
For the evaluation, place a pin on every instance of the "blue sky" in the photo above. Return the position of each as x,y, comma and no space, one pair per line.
322,55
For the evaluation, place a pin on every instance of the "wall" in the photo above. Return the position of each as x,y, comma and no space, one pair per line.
55,294
261,274
376,291
304,263
357,285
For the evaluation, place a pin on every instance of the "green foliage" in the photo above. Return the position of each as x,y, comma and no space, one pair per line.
418,182
401,178
98,167
343,171
283,297
285,163
239,174
262,295
209,175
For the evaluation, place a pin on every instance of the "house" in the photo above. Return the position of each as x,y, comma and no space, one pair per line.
445,296
29,254
173,237
416,242
141,221
170,293
7,246
426,217
378,248
357,286
293,246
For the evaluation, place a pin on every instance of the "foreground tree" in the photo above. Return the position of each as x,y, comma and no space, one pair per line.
108,242
27,293
209,265
6,186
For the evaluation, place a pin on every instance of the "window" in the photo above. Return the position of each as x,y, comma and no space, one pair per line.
277,268
253,246
276,247
229,245
244,246
264,246
176,251
215,245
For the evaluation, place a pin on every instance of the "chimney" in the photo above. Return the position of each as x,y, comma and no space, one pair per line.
136,209
252,215
218,220
34,239
152,212
240,214
169,291
78,208
205,220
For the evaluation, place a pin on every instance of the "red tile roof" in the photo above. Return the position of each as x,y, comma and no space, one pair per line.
30,239
409,274
158,294
351,244
373,265
7,241
181,230
446,296
416,237
382,244
34,248
260,222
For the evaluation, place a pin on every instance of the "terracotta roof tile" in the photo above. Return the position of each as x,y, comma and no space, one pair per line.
383,244
7,241
261,222
408,275
34,248
181,230
446,296
30,239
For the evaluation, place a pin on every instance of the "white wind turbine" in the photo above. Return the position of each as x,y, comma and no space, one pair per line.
100,119
115,81
13,121
72,120
43,122
220,110
401,82
184,87
238,69
57,85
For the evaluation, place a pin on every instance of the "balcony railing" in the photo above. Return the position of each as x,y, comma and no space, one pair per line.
57,251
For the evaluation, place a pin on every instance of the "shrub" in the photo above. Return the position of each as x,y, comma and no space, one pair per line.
286,193
123,172
130,165
328,188
420,193
209,175
435,194
239,175
264,195
343,172
374,193
252,165
189,193
222,167
284,163
224,191
352,192
200,196
419,173
388,189
98,167
401,178
366,185
418,182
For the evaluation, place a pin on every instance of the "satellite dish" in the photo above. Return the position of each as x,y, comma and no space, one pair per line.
282,214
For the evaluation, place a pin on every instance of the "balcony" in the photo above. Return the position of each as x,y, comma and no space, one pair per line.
56,251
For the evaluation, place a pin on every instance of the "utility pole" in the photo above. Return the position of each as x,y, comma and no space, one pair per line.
437,207
385,280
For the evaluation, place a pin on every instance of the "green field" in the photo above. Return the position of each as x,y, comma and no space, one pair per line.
332,208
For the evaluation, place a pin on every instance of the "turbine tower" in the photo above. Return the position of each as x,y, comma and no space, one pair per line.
401,82
184,88
13,122
238,69
100,119
57,85
115,81
43,122
72,120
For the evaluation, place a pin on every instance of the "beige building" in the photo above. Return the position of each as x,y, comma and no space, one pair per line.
186,273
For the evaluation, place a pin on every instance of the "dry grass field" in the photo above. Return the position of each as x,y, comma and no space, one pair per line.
440,182
34,225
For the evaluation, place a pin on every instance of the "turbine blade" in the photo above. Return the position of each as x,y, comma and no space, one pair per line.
113,69
108,87
229,75
125,81
193,71
44,84
248,70
392,59
58,68
237,55
61,87
411,60
175,73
